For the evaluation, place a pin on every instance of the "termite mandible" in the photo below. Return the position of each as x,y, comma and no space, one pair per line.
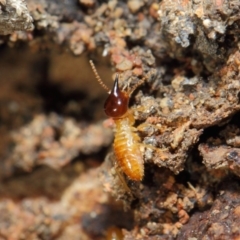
126,142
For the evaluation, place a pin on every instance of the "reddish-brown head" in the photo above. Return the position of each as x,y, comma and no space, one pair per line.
116,105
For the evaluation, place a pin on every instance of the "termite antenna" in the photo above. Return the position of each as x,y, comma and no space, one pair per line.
137,85
98,77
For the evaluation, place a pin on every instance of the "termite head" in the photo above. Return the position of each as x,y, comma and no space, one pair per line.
116,105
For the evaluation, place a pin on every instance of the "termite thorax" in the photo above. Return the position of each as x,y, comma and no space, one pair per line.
116,105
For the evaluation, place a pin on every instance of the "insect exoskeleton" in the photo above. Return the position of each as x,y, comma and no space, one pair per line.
126,142
114,233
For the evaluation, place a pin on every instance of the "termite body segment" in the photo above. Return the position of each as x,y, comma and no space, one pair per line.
126,142
126,148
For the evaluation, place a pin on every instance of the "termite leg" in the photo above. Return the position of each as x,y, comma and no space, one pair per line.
144,126
121,178
162,153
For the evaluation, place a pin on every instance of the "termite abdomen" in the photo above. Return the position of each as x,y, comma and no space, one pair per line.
126,148
116,105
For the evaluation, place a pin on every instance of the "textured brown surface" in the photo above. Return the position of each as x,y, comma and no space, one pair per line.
221,221
53,138
14,16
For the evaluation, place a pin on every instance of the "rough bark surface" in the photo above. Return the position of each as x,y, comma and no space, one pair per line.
53,139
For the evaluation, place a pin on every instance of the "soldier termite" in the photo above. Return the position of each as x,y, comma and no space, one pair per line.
126,142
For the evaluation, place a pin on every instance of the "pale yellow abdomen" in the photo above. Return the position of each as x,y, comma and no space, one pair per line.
126,148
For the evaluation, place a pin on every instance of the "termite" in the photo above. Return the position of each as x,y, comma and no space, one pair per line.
126,142
114,233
